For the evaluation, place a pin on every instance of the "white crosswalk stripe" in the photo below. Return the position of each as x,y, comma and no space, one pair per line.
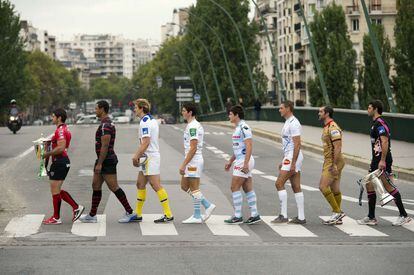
353,229
288,230
409,226
272,178
23,226
217,226
257,172
90,229
149,228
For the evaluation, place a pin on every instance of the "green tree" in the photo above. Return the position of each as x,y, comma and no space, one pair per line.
336,55
12,57
404,56
370,74
215,17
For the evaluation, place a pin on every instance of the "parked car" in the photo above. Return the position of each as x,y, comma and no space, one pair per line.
168,119
121,119
38,122
89,119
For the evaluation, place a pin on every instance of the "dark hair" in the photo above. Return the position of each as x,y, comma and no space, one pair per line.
237,110
377,104
289,104
103,104
190,107
59,112
328,110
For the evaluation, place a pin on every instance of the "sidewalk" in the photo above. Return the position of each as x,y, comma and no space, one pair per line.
355,147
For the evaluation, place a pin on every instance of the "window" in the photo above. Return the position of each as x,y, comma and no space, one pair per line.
355,25
376,21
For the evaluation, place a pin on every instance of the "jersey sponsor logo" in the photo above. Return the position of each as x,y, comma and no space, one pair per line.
145,131
335,133
381,130
193,132
235,144
286,162
238,167
192,169
235,136
145,119
246,128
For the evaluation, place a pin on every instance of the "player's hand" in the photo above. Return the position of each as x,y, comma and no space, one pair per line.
98,168
182,170
293,167
280,166
382,165
227,166
334,170
46,155
135,161
245,168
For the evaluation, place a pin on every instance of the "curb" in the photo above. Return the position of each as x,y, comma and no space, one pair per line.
356,161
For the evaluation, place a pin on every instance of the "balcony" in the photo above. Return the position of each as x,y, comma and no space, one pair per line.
298,46
352,10
301,85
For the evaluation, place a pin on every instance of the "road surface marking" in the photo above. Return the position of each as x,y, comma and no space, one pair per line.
409,226
218,227
288,230
90,229
353,229
149,228
23,226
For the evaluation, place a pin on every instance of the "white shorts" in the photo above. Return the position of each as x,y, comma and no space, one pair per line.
238,165
194,168
287,161
152,165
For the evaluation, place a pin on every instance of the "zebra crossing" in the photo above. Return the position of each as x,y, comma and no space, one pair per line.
31,224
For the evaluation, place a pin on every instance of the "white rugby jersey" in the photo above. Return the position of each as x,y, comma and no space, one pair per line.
148,127
240,134
192,131
291,128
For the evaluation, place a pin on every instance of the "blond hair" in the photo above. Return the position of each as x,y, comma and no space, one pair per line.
144,104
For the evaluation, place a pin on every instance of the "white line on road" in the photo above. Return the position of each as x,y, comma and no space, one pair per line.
90,229
149,228
217,226
257,172
23,226
409,226
272,178
288,230
353,229
219,152
211,148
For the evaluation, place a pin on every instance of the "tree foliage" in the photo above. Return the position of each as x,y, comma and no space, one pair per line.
336,55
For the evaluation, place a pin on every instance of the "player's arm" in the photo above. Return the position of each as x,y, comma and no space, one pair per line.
145,142
60,148
296,148
249,149
105,139
384,149
191,152
229,163
337,144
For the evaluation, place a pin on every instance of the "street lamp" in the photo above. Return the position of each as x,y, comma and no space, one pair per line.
222,50
242,44
211,63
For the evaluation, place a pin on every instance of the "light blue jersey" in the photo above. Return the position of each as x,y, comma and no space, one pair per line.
240,134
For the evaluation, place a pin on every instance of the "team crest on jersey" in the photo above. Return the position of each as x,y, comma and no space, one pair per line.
335,133
145,131
381,130
245,128
193,132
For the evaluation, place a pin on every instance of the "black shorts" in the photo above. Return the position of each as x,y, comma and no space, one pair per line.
374,166
59,169
108,166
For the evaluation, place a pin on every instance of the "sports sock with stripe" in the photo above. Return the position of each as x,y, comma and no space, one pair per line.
329,196
237,203
163,197
141,196
252,202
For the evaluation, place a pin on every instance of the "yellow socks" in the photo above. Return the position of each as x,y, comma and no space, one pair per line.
141,195
329,196
338,198
163,196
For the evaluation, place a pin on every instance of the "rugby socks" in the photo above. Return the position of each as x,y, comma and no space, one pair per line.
206,203
196,194
68,198
141,196
237,203
372,200
398,201
283,202
252,202
300,203
329,196
163,197
57,201
338,198
96,199
123,200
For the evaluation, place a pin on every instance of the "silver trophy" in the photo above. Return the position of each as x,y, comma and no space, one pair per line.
374,179
40,147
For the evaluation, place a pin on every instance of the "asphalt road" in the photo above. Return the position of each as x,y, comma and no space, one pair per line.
26,247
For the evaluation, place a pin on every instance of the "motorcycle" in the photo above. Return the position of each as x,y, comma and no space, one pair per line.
14,124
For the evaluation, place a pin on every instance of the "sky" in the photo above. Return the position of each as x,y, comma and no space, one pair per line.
131,18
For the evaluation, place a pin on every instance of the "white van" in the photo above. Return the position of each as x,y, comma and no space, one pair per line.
89,119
